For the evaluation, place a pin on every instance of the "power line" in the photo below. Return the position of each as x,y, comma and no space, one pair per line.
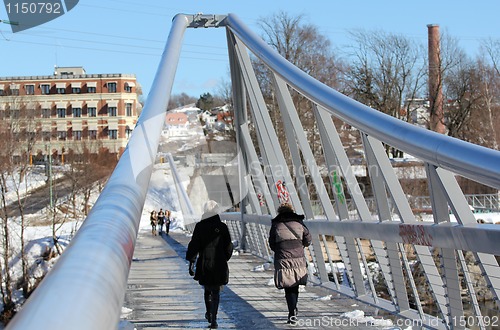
120,37
123,10
117,44
142,4
114,51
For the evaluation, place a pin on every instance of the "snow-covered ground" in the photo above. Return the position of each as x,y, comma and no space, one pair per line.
35,177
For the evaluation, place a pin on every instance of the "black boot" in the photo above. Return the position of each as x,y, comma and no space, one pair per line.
207,306
214,307
291,301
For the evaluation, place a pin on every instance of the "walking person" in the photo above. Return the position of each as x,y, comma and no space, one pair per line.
154,221
210,247
287,238
167,220
161,220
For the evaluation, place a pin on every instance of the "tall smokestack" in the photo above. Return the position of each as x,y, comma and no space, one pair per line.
435,81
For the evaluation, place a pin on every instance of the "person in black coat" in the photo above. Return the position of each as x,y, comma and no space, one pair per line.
161,220
211,248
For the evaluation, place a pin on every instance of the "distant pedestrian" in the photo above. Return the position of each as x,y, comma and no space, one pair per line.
168,218
154,221
210,247
161,220
287,238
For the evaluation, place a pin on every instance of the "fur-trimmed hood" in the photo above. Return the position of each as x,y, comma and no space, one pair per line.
288,216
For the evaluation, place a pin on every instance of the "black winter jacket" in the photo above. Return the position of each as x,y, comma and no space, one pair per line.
211,243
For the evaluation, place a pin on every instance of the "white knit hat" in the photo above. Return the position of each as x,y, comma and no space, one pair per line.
211,207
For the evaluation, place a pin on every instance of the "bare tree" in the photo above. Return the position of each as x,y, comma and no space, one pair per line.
474,90
179,100
491,48
386,73
25,139
90,169
18,135
85,171
52,209
491,54
463,94
304,46
224,94
7,147
386,70
224,91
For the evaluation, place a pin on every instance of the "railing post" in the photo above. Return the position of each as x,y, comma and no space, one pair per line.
240,118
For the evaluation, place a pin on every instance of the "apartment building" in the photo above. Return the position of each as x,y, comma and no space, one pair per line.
71,111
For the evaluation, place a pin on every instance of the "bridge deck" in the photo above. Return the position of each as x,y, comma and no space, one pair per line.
161,294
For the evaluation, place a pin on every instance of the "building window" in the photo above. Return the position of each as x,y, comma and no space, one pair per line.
112,111
45,89
31,136
14,113
46,136
77,135
128,132
77,112
128,86
45,113
112,87
61,135
61,113
14,91
30,113
92,134
113,134
92,112
128,109
1,92
75,90
30,89
61,90
91,89
16,136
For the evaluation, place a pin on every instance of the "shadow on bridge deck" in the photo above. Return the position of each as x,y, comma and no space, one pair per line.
161,294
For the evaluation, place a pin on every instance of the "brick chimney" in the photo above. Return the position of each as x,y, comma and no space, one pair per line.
435,81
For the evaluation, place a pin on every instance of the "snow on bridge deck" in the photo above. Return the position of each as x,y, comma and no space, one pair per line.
161,295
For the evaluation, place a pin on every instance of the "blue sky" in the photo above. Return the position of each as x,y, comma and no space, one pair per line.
128,36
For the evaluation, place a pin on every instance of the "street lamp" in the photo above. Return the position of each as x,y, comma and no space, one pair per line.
50,174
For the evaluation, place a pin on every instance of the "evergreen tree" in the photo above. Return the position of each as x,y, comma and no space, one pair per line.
205,102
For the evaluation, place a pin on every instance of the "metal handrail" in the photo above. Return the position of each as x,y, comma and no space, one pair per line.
467,159
86,288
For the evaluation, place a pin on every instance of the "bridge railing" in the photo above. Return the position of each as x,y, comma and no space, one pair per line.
86,288
374,283
435,272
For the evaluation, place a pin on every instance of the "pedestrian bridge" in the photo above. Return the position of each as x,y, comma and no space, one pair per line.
435,273
160,295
